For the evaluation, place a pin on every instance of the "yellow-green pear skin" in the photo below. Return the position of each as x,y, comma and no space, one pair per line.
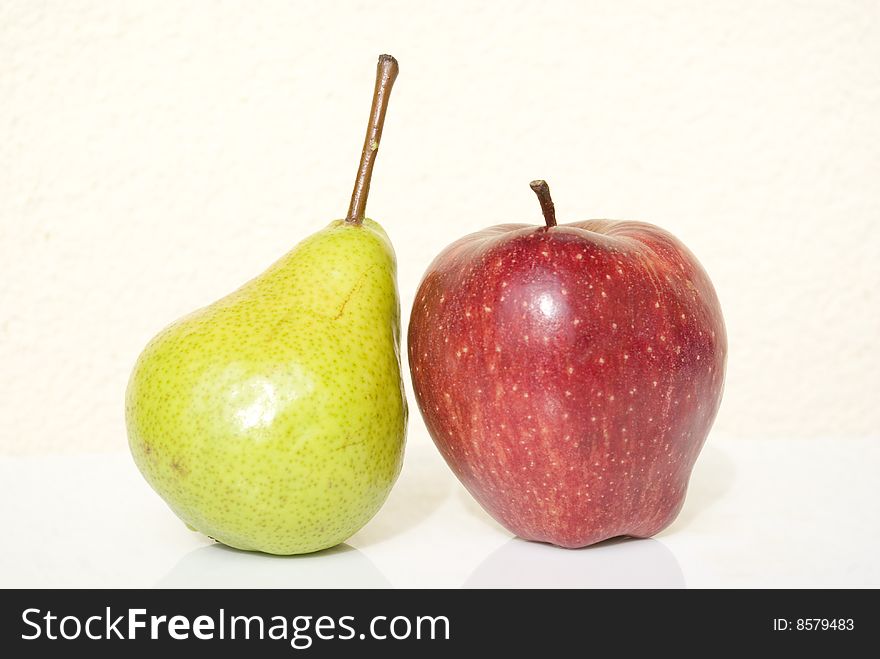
275,419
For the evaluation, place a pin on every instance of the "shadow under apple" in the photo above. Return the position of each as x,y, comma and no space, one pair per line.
219,566
615,563
713,475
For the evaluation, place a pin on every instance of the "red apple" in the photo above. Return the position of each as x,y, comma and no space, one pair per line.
569,374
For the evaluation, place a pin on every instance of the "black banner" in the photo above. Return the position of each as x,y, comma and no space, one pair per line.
398,623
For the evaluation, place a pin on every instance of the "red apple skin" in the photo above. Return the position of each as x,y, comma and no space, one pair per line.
569,375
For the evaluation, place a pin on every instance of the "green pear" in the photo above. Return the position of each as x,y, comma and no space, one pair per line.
275,419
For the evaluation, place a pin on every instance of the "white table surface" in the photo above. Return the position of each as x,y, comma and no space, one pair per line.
768,513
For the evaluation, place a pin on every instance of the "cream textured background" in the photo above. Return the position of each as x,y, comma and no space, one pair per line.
154,156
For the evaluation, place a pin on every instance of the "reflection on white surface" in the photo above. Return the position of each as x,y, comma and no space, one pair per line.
770,530
218,566
619,563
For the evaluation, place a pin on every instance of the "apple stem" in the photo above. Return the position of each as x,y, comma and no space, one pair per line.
541,189
386,74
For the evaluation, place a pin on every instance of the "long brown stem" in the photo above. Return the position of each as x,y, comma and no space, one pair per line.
386,74
547,208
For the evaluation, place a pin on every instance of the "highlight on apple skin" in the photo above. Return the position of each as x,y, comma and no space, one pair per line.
569,374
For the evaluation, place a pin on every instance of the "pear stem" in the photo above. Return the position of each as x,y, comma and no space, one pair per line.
386,74
541,189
